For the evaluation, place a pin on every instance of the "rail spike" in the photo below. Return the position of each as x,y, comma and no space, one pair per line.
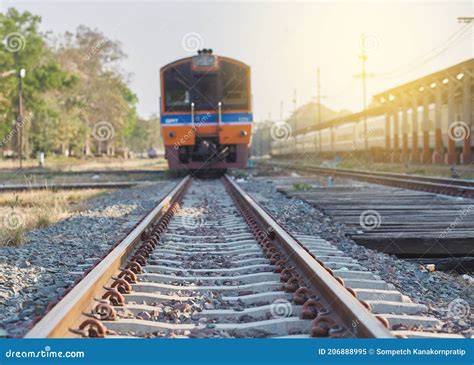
105,311
93,328
122,286
321,326
114,296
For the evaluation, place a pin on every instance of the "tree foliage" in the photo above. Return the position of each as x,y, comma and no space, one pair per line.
73,82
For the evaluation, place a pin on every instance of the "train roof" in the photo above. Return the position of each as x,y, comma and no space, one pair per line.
188,59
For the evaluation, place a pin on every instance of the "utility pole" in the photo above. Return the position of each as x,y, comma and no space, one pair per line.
319,97
363,76
21,75
319,109
363,57
295,118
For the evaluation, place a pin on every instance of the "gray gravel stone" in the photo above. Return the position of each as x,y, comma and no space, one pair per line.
41,270
448,296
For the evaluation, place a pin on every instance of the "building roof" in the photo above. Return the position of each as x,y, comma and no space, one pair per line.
381,109
428,79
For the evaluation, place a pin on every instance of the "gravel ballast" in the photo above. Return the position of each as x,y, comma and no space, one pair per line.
40,271
448,296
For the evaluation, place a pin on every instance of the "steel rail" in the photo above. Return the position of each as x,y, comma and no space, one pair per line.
347,306
70,186
445,186
67,312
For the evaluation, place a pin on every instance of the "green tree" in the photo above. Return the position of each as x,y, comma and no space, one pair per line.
102,91
24,47
72,84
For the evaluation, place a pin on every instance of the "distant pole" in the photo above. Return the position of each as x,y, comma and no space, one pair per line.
363,58
21,75
295,118
319,108
319,97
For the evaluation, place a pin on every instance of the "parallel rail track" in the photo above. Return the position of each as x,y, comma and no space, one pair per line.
69,186
438,185
230,271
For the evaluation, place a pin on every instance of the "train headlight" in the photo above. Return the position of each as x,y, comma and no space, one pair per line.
171,134
243,133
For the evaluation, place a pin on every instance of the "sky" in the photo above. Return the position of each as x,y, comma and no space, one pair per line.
283,42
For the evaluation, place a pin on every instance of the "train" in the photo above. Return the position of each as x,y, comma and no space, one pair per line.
206,112
350,137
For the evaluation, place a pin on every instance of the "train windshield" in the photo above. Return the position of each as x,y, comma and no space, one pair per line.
204,92
235,81
229,85
177,96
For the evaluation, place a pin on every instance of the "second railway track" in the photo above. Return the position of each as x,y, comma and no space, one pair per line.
210,262
433,184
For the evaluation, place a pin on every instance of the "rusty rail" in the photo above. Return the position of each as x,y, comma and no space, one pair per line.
335,309
69,311
438,185
342,302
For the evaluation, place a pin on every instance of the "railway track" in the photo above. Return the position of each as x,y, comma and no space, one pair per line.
438,185
210,262
129,178
69,186
392,220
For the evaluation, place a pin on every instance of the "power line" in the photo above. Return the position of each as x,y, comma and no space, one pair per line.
428,56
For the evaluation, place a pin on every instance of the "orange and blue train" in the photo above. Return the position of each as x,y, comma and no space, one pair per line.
206,112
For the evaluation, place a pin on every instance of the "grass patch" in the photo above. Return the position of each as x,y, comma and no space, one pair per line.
33,209
63,163
12,237
301,187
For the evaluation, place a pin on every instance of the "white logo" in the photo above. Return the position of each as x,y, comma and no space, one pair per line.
458,308
369,42
191,42
459,131
14,42
13,220
280,131
191,220
281,308
103,131
370,220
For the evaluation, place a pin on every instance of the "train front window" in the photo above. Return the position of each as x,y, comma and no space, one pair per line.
234,87
204,92
177,97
